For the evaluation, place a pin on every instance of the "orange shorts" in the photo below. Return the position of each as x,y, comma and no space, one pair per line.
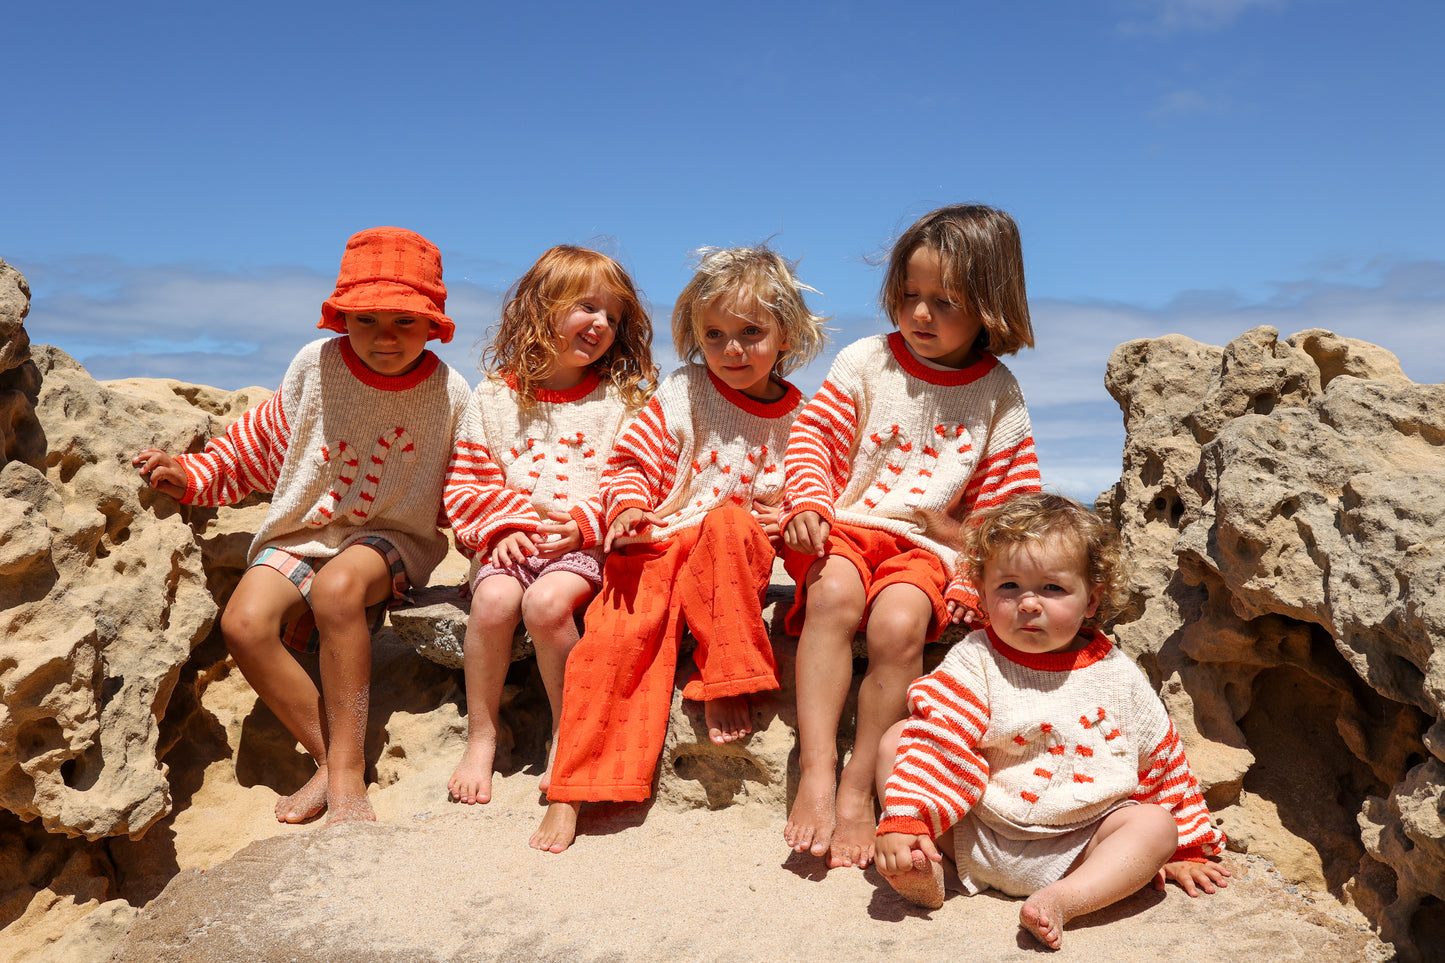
882,559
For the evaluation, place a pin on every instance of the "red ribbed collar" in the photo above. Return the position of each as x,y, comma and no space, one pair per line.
937,376
762,409
383,382
580,390
1054,661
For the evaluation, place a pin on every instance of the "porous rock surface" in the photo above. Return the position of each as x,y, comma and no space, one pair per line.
134,759
1283,505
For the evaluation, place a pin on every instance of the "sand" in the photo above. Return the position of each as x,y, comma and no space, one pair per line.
435,880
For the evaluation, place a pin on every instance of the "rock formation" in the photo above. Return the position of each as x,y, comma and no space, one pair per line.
1276,503
1283,505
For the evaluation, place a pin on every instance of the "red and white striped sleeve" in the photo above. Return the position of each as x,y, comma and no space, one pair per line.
642,468
938,775
478,504
247,458
816,464
1008,465
1165,779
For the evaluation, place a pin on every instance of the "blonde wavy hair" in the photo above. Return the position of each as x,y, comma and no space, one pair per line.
983,269
730,278
1037,519
525,345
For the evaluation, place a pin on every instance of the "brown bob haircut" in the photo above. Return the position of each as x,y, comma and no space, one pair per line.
983,269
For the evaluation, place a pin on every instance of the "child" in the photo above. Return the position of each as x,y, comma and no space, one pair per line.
570,360
691,495
910,433
1038,755
353,446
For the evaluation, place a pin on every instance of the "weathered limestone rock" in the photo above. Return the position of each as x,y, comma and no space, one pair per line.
21,437
1283,506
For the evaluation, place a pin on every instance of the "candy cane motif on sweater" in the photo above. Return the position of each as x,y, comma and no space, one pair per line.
944,457
1057,750
531,461
394,443
760,476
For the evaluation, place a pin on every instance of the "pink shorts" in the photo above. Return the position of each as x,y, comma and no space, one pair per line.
583,563
882,559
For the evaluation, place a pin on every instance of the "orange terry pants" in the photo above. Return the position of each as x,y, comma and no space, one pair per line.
618,688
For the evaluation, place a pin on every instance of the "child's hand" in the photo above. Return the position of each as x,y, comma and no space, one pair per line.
632,521
512,549
767,517
893,852
161,472
568,536
1192,877
958,612
807,533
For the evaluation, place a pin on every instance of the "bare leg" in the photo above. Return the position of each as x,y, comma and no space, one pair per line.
340,594
549,610
729,718
834,607
487,652
558,829
1129,847
251,626
897,625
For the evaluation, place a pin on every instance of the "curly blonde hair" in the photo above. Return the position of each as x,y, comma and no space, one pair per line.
983,268
525,344
727,277
1038,519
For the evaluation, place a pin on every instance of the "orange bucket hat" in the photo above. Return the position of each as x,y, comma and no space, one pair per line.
389,269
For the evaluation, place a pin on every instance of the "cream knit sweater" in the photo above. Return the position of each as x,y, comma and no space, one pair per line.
346,453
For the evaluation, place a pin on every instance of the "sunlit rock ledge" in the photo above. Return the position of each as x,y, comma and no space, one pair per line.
1280,504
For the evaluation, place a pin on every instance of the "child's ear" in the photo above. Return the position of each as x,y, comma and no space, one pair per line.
1096,595
433,329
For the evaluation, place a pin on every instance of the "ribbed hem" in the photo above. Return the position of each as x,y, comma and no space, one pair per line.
904,824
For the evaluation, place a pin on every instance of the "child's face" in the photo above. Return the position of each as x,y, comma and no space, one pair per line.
938,330
586,332
1037,596
741,345
388,342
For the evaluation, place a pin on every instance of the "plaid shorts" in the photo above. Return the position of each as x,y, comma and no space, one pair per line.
301,634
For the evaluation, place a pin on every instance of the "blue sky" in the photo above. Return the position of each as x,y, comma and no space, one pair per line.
181,177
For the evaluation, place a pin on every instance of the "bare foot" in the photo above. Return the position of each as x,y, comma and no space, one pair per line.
728,718
854,837
1044,918
304,803
923,884
346,799
471,783
558,829
811,821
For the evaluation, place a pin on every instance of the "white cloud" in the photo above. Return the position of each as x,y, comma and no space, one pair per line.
231,330
1161,17
1181,103
202,325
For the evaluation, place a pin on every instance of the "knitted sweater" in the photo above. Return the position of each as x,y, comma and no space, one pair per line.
512,467
697,445
890,443
1039,744
346,453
